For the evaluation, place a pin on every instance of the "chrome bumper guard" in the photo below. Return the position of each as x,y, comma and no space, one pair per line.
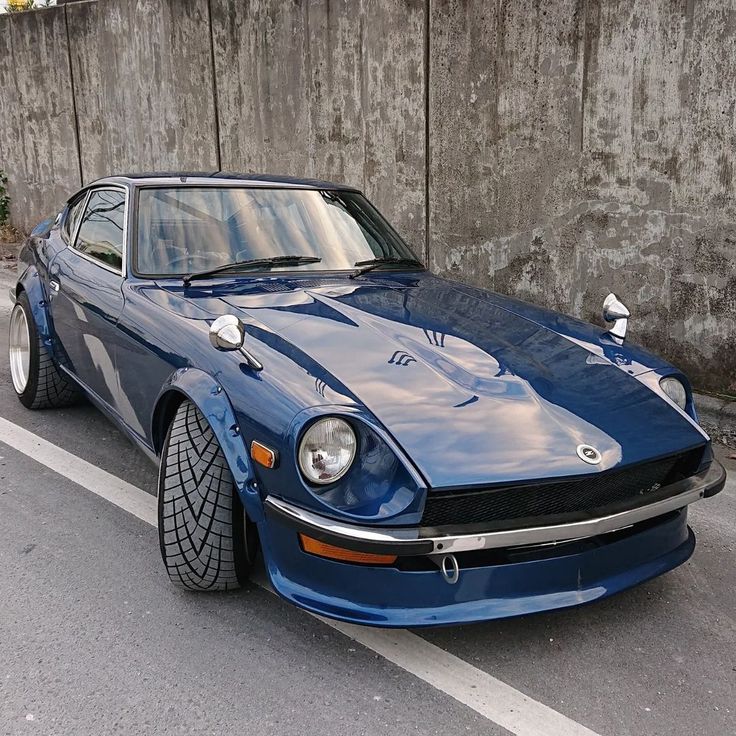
412,541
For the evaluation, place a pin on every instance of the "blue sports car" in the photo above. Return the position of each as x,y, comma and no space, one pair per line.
402,449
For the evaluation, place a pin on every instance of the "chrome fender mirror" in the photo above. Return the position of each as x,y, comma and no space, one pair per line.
615,311
228,333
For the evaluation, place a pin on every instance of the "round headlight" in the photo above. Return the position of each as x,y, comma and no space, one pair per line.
327,450
675,390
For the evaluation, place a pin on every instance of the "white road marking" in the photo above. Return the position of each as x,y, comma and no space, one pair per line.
473,687
128,497
485,694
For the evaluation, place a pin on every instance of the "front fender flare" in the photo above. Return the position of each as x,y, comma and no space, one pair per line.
210,398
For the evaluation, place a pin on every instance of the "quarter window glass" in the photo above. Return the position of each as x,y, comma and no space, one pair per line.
72,217
101,231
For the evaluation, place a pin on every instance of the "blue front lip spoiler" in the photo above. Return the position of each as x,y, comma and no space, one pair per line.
417,541
572,575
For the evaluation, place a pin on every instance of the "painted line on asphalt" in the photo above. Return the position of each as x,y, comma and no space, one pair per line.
483,693
113,489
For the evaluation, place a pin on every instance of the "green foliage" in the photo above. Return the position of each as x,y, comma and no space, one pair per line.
17,6
4,199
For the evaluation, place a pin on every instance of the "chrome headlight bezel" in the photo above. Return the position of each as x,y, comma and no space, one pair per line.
675,390
311,434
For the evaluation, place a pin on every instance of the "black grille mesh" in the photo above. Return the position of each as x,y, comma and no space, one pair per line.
553,502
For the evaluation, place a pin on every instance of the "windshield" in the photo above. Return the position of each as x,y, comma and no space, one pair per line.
187,229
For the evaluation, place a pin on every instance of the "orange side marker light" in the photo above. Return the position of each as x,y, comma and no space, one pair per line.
322,549
263,455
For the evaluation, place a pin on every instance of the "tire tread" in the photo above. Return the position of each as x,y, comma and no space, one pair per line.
197,504
53,389
47,386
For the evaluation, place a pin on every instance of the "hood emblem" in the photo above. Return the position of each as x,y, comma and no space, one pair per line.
589,454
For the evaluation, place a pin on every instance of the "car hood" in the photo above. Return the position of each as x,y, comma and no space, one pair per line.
477,388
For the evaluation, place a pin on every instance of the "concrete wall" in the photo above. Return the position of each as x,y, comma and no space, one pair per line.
598,145
143,86
557,150
38,144
329,90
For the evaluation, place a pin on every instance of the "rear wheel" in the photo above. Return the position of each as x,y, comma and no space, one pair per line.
37,381
207,542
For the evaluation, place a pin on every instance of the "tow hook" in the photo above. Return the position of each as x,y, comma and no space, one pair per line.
450,569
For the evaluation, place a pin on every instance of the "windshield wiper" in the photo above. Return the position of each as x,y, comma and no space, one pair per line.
250,264
365,266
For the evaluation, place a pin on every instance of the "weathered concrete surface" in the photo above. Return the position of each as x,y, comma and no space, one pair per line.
579,147
717,416
575,146
38,146
326,89
143,85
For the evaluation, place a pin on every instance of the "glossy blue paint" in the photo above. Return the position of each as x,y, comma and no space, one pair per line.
89,297
446,386
30,282
385,596
474,392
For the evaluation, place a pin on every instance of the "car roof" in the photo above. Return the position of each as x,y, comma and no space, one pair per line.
159,178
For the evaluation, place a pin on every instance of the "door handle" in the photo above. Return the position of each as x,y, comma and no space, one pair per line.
54,285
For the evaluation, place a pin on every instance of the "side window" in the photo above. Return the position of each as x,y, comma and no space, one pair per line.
101,230
72,218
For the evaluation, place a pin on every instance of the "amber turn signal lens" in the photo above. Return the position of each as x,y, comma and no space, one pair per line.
263,455
322,549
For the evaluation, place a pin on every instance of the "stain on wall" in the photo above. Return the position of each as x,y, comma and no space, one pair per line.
142,86
38,145
327,89
556,150
596,153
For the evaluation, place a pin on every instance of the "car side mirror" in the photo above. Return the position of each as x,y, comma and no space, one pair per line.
615,311
228,333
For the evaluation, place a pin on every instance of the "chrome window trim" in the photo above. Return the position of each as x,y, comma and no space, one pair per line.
73,247
414,540
73,236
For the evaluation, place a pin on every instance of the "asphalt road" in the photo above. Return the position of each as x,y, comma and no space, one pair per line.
94,640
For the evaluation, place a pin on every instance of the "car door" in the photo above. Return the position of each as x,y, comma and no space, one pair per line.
86,291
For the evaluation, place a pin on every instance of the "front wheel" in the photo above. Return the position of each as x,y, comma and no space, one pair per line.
37,381
207,542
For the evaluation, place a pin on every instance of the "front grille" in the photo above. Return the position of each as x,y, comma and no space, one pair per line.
559,501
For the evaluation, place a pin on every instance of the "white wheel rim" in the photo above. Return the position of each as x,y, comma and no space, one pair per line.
19,349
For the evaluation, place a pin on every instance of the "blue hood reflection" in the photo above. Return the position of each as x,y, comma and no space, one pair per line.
475,387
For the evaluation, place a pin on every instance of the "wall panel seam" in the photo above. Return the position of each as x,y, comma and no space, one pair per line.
215,97
427,28
74,94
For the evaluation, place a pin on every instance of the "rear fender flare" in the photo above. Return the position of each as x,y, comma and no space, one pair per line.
210,398
30,282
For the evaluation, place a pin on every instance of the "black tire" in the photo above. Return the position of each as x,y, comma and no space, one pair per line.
46,386
206,541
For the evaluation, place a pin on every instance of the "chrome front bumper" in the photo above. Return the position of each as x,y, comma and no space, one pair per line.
418,541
